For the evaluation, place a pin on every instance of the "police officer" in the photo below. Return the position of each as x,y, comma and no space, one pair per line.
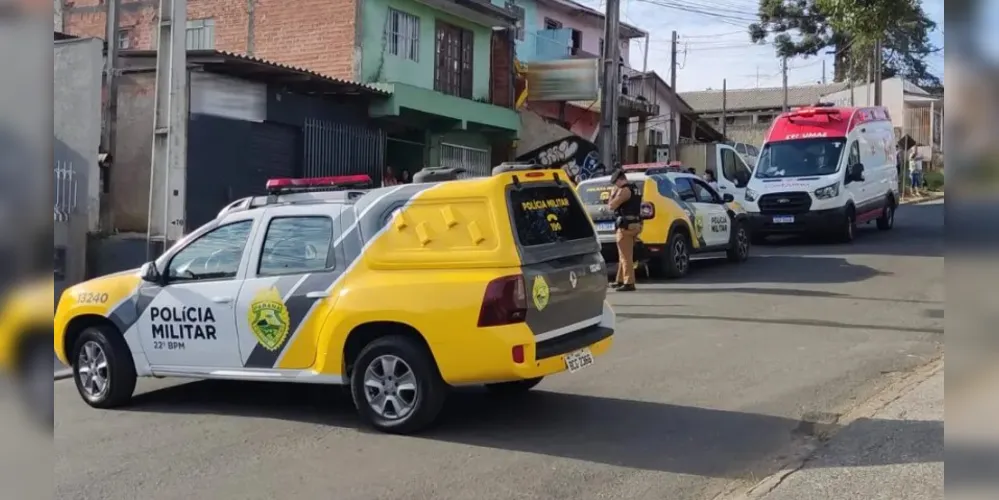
626,204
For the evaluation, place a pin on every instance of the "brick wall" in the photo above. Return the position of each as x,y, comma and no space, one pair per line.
501,91
314,34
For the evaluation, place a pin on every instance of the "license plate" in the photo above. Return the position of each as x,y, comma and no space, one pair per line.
605,226
784,219
577,360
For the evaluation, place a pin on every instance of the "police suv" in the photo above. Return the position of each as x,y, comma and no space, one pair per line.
398,292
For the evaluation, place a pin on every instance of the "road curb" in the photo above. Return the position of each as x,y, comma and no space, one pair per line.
895,390
920,201
63,374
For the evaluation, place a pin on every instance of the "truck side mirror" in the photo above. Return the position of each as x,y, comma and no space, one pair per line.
150,273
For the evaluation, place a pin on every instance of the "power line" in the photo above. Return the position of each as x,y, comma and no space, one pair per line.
719,14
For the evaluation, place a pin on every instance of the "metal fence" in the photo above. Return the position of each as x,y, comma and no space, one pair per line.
475,161
340,149
66,185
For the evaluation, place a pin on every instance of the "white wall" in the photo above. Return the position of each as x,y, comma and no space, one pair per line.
892,97
661,122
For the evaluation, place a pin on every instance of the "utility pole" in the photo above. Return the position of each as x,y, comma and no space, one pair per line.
110,111
673,136
849,79
783,69
251,26
645,58
611,85
168,170
725,107
869,81
878,69
823,72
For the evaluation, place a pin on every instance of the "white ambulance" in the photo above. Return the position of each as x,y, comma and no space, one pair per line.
823,171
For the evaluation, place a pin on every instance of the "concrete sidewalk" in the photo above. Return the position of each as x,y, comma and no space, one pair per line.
895,454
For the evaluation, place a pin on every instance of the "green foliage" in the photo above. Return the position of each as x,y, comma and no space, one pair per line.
934,180
851,27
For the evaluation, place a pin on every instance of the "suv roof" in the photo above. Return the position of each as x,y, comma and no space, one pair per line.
325,191
640,176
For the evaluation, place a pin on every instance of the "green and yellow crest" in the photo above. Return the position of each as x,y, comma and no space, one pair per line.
540,292
269,319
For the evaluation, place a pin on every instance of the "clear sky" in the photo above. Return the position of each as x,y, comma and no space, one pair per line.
714,43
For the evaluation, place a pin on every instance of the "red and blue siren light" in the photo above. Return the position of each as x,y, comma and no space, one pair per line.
304,184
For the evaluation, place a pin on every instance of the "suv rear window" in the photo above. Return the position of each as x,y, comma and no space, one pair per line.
598,193
548,214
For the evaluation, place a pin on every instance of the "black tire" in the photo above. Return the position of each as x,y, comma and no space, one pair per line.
848,229
675,261
738,248
515,387
35,382
118,372
887,220
429,396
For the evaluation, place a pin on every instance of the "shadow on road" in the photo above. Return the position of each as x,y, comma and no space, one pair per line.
918,232
619,432
779,269
788,321
788,292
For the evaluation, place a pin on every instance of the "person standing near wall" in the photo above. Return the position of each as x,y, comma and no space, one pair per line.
389,178
626,204
916,169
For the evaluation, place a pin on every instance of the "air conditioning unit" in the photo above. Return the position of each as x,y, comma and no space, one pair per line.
662,154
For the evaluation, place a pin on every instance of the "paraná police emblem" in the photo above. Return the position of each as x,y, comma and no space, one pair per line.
540,292
269,319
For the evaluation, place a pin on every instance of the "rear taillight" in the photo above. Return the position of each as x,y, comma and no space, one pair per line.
648,210
505,302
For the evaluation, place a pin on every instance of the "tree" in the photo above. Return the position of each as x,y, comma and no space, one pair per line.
850,28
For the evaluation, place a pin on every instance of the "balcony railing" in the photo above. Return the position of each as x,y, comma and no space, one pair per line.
552,45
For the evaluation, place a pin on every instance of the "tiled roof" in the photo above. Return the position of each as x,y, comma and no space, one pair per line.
707,101
242,65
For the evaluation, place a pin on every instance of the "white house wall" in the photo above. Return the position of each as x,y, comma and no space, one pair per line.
892,97
660,122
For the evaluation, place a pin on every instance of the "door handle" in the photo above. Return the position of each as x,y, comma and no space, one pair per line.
317,295
722,187
222,300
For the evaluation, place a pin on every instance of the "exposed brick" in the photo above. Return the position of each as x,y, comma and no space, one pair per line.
501,69
314,34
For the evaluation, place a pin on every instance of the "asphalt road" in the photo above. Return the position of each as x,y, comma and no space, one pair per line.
711,382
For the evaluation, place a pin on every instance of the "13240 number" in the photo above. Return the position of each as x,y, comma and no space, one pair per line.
91,298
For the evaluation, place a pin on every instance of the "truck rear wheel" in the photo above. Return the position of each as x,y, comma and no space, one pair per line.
675,261
396,386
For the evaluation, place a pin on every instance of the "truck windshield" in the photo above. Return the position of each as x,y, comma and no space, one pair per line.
800,158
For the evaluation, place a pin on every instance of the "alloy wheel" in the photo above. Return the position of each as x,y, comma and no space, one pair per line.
390,387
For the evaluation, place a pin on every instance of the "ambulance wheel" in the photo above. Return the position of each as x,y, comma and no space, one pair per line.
848,229
738,249
887,219
103,368
676,261
396,386
515,387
